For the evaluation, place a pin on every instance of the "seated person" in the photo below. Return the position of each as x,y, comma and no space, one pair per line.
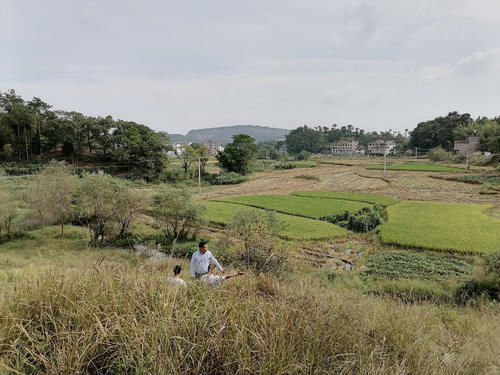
210,278
176,280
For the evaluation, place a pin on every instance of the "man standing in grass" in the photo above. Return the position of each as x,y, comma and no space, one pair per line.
201,260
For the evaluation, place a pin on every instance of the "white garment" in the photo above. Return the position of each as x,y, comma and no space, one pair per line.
212,280
200,262
176,281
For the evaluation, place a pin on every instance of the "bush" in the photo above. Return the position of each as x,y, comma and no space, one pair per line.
303,155
492,263
227,178
257,230
438,154
362,221
472,291
284,165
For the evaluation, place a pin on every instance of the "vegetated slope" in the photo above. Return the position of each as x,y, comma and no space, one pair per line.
297,228
224,134
383,200
442,226
421,167
314,208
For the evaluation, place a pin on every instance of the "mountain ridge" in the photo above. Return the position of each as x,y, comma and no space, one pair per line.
223,134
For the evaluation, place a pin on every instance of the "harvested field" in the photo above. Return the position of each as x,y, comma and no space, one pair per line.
442,226
416,166
314,208
297,228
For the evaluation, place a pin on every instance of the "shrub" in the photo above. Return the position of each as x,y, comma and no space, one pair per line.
363,221
284,165
492,263
473,290
438,154
303,155
227,178
258,229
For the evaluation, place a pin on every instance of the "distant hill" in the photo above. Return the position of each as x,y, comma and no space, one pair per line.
224,134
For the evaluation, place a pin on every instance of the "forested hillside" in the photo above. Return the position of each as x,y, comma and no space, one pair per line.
224,134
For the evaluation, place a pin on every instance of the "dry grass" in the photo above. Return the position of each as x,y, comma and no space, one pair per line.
126,319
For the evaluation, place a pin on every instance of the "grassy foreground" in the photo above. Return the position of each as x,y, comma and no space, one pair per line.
297,228
416,166
125,319
442,226
383,200
294,205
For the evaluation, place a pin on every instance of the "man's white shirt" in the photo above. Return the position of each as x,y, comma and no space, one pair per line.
200,262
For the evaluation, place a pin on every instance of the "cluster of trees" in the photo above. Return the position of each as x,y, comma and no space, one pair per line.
445,130
239,154
31,130
318,139
106,206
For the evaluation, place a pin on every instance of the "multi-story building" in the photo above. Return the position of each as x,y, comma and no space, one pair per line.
345,147
469,146
213,147
381,146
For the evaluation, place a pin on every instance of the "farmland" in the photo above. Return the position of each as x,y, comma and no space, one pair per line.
417,166
442,226
314,208
297,228
382,200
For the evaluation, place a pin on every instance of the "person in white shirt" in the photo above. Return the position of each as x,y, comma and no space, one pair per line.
176,280
201,260
210,278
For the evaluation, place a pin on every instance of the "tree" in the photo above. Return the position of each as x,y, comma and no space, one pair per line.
96,201
36,197
128,205
8,210
238,155
176,215
60,187
187,157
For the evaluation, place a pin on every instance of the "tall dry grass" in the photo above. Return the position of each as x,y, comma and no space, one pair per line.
125,319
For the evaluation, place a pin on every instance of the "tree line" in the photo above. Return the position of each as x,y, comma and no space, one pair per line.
31,131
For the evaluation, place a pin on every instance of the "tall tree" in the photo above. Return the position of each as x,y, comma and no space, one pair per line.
238,155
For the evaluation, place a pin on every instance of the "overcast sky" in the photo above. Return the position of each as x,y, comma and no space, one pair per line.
187,64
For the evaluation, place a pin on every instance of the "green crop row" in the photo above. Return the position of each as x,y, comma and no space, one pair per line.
297,228
314,208
383,200
407,265
421,167
442,226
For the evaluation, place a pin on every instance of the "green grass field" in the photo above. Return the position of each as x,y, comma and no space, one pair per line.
383,200
408,265
442,226
300,206
304,164
297,228
419,167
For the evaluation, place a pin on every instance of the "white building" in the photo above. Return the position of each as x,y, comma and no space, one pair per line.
346,147
177,149
381,147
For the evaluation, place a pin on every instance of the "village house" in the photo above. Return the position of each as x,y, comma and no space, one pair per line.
381,146
346,147
469,146
214,147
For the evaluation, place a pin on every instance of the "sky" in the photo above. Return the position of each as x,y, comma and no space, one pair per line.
181,65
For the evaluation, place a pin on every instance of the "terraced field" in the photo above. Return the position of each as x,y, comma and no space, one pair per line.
314,208
297,228
442,226
420,167
383,200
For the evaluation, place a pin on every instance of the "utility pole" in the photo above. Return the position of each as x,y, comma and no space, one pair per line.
385,162
467,162
199,174
416,153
